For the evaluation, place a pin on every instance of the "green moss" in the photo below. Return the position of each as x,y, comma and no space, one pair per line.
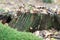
7,33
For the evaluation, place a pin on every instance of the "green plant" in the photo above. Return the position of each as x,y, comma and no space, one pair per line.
47,1
23,22
7,33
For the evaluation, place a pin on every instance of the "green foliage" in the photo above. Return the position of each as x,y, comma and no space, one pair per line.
36,21
27,20
23,22
7,33
47,1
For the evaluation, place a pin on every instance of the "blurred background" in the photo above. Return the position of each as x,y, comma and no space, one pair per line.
35,16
